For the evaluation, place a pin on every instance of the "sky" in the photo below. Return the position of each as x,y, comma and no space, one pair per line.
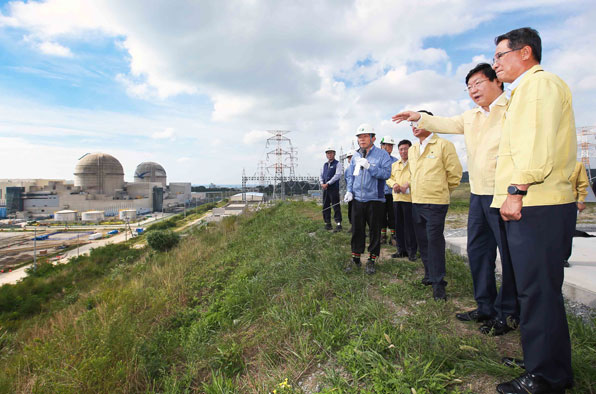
195,85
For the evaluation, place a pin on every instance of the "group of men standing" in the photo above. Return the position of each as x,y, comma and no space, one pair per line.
521,151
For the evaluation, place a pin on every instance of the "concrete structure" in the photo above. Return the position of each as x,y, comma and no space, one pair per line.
66,215
93,216
250,197
149,171
127,214
580,279
98,186
99,173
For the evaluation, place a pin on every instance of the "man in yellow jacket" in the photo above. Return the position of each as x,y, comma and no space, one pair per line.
537,155
579,185
399,182
481,128
435,170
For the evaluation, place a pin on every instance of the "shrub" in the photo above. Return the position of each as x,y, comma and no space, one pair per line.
162,240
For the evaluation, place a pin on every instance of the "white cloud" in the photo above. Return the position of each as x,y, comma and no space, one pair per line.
256,136
168,133
51,48
269,64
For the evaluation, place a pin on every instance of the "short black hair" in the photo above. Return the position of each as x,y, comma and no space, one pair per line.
404,142
485,69
521,37
426,112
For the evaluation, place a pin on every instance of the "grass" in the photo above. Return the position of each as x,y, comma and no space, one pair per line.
243,305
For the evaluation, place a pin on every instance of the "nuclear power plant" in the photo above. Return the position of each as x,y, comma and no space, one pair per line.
98,190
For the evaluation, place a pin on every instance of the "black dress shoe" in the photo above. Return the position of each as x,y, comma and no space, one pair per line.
412,258
528,384
566,264
472,316
439,293
328,226
495,327
425,282
513,362
399,255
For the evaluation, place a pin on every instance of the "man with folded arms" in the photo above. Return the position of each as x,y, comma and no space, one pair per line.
399,182
481,127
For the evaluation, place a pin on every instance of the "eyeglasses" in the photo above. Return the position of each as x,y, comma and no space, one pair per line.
499,55
474,85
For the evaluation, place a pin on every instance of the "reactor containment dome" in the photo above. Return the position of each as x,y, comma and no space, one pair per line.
149,171
99,173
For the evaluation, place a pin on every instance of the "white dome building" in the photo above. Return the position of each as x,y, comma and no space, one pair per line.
99,173
149,171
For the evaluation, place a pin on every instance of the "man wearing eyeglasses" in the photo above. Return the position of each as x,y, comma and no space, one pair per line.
537,155
481,128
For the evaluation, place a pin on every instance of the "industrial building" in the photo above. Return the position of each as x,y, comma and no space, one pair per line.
98,189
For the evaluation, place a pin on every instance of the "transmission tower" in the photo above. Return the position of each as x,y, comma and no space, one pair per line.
261,172
293,159
280,155
585,135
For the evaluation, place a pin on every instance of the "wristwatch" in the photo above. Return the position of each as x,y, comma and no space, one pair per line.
513,190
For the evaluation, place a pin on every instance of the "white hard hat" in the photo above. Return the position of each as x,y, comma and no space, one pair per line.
350,153
365,128
328,149
387,140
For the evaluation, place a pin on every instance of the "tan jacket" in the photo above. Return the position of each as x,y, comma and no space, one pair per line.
400,175
538,142
482,134
579,182
434,174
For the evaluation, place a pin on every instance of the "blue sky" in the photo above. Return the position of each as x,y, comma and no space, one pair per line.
194,85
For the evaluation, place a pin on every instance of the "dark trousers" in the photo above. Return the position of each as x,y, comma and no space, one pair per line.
350,212
534,247
331,197
388,218
483,239
364,213
429,223
404,228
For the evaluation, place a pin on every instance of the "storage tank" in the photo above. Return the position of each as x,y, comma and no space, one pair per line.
92,216
65,216
149,171
129,214
99,173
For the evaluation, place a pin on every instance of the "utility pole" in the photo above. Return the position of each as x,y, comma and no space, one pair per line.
35,249
78,245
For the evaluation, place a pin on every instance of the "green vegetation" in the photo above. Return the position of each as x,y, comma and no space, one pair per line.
243,305
179,219
61,282
162,240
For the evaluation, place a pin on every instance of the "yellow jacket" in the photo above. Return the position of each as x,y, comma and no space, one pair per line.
482,134
579,182
400,174
434,174
538,143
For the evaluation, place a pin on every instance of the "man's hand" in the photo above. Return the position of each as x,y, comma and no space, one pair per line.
410,116
396,188
581,206
511,208
325,186
404,187
362,162
348,197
